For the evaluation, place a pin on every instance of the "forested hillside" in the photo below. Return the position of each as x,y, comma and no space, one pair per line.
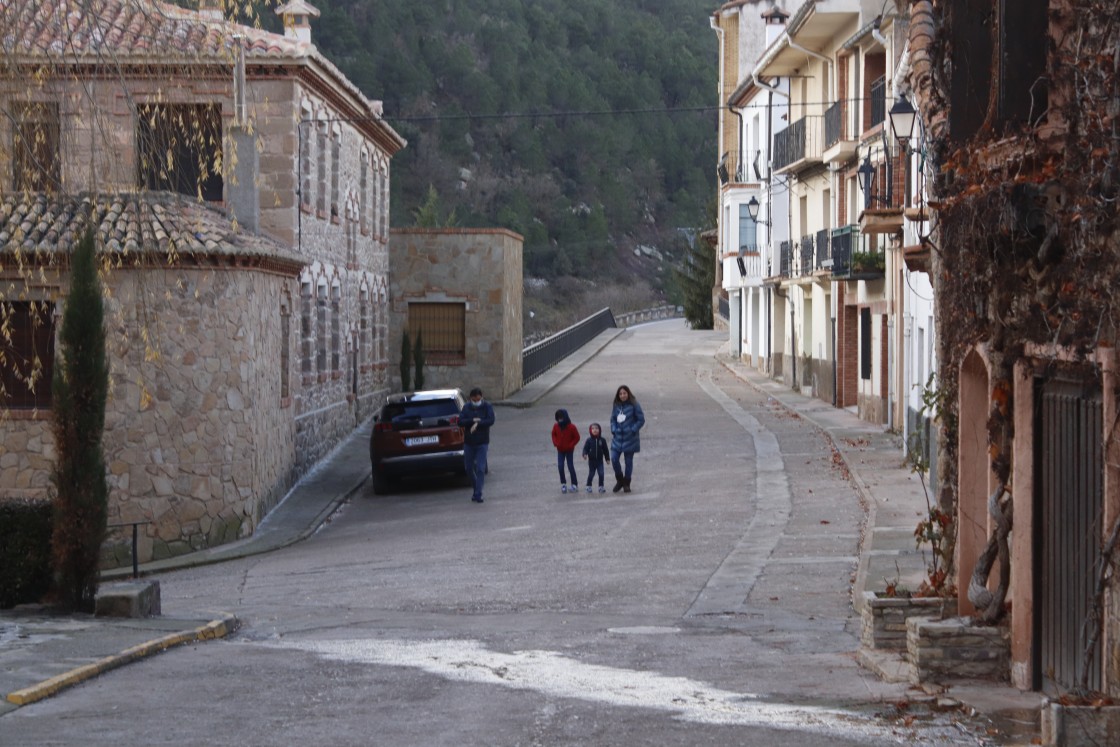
503,101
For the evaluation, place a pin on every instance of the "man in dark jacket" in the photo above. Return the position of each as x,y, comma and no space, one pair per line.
475,420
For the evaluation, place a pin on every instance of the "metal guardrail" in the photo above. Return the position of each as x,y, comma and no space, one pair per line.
543,355
649,315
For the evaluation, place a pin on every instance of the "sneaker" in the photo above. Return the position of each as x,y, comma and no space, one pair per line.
601,489
563,488
588,488
477,500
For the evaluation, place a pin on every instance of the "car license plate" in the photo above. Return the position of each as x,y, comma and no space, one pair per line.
421,440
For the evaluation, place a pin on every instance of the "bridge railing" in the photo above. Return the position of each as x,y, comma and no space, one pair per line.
541,356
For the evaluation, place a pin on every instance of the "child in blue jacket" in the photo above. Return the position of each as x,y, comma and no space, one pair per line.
595,453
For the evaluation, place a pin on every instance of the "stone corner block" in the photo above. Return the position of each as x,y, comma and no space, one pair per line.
128,599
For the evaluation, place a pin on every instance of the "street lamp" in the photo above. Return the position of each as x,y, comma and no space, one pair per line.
902,121
752,211
866,176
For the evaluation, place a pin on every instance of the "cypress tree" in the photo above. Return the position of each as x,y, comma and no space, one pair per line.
418,361
80,388
406,363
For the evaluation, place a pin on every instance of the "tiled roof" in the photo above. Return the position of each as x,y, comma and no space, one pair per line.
144,222
111,30
119,32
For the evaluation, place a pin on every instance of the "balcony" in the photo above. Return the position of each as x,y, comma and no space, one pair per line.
824,251
750,263
840,140
785,258
799,144
848,262
730,170
808,244
878,102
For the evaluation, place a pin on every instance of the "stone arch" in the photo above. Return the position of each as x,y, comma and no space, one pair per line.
974,478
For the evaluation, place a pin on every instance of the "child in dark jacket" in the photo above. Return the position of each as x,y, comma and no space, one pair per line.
595,453
565,437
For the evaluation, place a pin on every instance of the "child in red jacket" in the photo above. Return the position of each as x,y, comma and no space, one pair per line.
565,437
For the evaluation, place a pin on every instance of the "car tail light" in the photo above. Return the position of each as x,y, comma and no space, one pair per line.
383,428
453,420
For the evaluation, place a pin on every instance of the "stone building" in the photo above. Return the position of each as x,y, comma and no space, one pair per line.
461,289
237,185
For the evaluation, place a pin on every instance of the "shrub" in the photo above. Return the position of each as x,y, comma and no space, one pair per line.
25,551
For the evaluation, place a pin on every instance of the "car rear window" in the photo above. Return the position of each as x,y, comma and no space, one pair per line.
398,412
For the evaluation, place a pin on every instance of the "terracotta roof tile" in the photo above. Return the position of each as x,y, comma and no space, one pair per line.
143,222
90,29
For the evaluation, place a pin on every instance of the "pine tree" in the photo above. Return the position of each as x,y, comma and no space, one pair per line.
80,388
696,278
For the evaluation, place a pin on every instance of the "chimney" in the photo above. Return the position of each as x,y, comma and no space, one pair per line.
242,186
775,24
297,16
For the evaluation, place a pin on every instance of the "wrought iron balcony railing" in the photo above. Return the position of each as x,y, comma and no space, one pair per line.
878,101
802,140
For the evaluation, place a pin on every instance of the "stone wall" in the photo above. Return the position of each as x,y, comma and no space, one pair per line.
883,619
481,268
957,648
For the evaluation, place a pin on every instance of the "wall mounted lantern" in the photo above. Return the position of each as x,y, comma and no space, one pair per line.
902,122
752,211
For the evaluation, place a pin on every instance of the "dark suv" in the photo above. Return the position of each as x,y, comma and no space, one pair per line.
416,433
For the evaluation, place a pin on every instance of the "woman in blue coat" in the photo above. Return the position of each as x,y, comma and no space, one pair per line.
627,419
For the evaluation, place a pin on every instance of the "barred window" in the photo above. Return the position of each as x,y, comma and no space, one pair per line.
336,320
36,163
321,156
365,348
307,329
285,348
321,324
180,149
336,155
443,327
26,354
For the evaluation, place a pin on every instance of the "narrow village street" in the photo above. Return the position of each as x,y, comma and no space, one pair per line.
710,606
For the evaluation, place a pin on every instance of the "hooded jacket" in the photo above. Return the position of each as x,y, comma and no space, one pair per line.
627,419
595,447
565,435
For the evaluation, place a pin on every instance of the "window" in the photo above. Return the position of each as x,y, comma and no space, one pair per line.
321,156
365,345
336,320
443,326
748,231
285,348
376,219
336,154
307,329
26,354
179,148
363,203
321,325
865,343
35,148
305,164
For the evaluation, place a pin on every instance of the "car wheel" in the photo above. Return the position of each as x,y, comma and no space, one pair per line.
380,484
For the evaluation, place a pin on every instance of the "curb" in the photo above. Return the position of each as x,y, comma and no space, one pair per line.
218,628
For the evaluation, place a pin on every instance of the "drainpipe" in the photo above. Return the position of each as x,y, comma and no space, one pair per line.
826,60
766,86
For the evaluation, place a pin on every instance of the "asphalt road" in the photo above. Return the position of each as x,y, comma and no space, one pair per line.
709,606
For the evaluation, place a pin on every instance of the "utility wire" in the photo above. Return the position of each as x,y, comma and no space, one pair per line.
603,112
